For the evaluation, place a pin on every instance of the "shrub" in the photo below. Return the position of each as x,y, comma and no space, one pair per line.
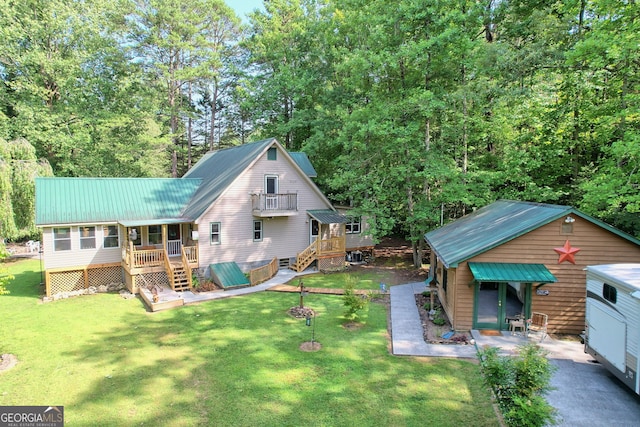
426,294
427,306
439,321
353,301
519,383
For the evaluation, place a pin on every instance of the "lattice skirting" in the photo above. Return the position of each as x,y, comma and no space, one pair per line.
147,280
81,278
335,263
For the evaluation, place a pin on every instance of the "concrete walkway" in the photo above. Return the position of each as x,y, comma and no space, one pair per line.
407,334
283,276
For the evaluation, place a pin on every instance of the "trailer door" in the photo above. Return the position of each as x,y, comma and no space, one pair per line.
607,333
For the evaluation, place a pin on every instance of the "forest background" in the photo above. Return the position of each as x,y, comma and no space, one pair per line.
413,111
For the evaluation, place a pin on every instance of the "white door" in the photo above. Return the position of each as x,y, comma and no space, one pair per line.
607,333
314,230
271,190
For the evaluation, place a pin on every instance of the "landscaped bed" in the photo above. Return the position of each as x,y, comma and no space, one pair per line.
229,362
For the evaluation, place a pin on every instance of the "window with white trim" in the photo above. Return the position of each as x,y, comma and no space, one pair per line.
257,231
62,239
110,236
87,237
155,234
353,227
215,233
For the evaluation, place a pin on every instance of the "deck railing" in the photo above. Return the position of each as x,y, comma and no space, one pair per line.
187,267
266,272
153,257
274,203
169,269
174,247
191,254
332,245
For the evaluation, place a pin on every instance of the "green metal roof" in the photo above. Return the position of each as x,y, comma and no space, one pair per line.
328,216
304,163
496,224
228,275
489,227
94,200
511,272
218,169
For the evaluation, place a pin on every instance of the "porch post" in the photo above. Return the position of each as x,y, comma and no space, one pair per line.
164,236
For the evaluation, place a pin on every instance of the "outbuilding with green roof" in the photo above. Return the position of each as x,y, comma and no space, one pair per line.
511,258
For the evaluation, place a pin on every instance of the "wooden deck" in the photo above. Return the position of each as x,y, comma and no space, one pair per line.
327,291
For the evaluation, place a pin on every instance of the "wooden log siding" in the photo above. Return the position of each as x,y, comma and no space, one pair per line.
566,301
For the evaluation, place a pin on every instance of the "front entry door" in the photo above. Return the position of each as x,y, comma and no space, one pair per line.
174,241
496,303
314,230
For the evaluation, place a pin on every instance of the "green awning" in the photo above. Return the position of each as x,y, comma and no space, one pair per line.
511,272
327,216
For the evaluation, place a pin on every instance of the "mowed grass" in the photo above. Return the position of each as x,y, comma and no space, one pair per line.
361,279
231,362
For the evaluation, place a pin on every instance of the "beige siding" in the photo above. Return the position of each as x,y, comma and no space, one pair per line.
360,240
76,256
565,303
283,237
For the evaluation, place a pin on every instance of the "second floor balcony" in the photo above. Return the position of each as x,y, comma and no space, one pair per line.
268,205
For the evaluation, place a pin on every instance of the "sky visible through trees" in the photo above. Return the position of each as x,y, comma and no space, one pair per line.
413,111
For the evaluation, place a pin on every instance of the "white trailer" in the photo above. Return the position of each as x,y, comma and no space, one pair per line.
612,336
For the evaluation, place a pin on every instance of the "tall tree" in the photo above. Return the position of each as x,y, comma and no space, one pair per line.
180,43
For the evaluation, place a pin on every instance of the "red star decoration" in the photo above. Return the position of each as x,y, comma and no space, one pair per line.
567,253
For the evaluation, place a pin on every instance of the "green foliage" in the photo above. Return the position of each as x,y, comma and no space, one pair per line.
519,383
19,167
354,302
5,276
439,320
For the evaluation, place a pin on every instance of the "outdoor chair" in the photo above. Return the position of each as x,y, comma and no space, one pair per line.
538,323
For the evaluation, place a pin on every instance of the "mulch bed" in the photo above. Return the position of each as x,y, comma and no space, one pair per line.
432,333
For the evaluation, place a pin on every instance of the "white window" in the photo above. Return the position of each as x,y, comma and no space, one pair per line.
87,237
62,239
257,231
215,233
110,234
353,227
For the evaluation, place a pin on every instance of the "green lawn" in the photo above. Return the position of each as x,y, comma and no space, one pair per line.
231,362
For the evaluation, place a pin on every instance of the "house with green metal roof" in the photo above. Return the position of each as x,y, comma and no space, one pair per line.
510,259
249,205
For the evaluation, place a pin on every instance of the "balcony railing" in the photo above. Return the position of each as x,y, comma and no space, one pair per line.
266,205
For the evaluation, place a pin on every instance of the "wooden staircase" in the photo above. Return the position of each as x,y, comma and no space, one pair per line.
180,280
305,258
179,273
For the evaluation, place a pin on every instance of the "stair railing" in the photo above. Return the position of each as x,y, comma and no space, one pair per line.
169,268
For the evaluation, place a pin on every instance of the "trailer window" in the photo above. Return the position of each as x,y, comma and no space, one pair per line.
609,293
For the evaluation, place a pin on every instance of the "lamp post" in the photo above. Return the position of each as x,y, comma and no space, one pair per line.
302,293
